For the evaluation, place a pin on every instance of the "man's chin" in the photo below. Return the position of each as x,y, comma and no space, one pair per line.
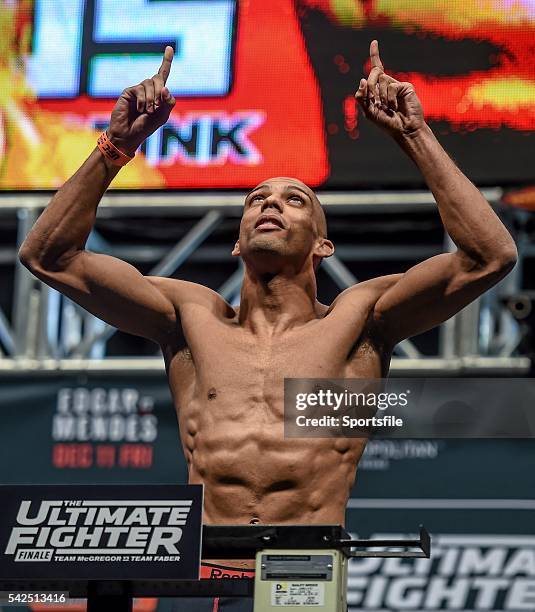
268,245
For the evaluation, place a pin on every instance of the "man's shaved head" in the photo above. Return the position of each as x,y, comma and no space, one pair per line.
283,226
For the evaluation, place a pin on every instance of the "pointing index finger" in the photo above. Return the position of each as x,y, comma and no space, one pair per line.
165,68
374,55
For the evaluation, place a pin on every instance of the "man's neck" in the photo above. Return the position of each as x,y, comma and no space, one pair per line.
275,303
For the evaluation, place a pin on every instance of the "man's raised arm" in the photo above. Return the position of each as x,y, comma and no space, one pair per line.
54,249
436,289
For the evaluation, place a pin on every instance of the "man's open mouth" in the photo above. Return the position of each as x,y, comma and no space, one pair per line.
269,222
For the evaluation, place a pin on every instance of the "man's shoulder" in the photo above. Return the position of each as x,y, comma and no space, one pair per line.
353,312
182,293
365,293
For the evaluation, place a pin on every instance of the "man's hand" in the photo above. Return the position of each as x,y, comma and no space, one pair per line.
391,105
142,109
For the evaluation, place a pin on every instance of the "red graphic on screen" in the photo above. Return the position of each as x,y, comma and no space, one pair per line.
274,83
275,98
502,96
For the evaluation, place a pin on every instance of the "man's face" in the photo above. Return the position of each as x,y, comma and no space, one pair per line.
282,220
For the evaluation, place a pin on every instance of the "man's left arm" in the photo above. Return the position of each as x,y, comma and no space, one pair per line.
434,290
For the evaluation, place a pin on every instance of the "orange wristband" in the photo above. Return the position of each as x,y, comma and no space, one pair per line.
109,150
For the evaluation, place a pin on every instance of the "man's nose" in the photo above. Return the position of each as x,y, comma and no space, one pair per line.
272,202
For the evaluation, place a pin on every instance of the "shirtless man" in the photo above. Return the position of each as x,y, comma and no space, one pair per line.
226,366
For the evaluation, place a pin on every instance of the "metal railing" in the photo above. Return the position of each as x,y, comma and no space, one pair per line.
48,332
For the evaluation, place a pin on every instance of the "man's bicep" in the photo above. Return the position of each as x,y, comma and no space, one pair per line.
430,293
114,291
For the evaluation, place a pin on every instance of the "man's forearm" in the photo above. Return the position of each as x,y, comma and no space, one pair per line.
68,219
467,216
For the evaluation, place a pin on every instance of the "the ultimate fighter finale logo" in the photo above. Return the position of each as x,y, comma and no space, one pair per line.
95,530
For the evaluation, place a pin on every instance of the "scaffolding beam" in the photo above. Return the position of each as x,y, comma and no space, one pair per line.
48,332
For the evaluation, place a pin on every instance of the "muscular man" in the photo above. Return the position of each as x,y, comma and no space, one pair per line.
226,365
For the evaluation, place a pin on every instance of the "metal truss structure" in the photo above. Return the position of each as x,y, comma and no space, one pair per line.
48,332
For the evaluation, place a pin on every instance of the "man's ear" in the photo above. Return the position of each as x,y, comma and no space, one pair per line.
324,248
236,249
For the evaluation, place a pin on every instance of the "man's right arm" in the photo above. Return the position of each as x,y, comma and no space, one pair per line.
109,288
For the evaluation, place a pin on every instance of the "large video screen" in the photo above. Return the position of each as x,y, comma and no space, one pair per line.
265,88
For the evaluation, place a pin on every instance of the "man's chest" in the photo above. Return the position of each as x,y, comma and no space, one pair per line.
217,350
